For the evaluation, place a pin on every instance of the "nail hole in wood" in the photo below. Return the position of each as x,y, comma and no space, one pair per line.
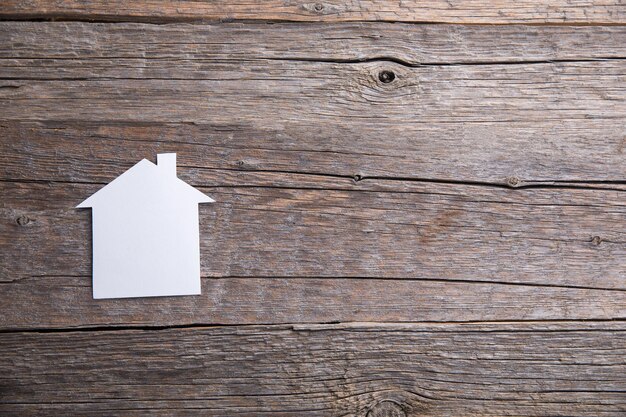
386,76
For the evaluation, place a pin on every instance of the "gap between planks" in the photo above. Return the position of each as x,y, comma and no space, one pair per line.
472,326
512,183
347,278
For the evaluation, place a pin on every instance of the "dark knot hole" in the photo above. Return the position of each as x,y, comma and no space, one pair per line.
386,76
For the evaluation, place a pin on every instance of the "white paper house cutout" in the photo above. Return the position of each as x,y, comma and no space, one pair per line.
145,233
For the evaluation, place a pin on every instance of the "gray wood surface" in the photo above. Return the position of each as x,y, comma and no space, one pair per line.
335,42
440,11
567,241
464,255
516,108
451,198
414,369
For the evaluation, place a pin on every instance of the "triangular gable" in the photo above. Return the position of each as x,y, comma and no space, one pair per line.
198,195
146,172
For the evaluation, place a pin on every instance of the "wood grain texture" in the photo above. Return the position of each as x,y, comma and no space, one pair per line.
326,210
333,42
512,116
434,370
439,11
457,190
463,233
53,302
275,255
312,93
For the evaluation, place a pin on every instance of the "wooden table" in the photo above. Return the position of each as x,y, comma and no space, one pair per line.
421,207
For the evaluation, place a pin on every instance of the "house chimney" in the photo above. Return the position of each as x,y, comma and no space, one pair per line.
167,163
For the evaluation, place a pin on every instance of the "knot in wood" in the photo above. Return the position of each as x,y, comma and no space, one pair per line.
357,177
321,9
513,181
596,240
386,408
386,76
23,220
375,84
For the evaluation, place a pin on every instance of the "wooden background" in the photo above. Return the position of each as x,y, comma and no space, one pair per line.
421,207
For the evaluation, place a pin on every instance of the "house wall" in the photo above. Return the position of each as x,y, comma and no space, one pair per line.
146,253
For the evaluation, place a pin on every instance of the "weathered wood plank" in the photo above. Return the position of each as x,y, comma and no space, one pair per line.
440,11
53,302
435,370
531,123
347,42
507,124
262,232
433,214
466,234
323,156
310,93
